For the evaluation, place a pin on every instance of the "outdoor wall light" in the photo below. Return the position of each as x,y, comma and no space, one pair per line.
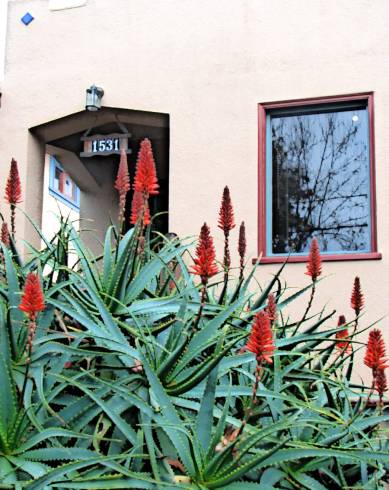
93,98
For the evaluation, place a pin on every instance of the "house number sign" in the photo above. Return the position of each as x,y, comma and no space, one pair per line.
105,144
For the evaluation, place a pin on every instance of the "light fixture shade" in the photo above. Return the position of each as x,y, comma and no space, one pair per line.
93,98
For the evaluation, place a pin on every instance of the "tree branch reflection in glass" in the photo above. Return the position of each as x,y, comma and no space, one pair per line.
320,181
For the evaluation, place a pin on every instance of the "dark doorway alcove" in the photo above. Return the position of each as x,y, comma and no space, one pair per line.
95,176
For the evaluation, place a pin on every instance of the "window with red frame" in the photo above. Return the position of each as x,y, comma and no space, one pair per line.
317,178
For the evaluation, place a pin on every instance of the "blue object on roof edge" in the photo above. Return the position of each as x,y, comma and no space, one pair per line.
27,18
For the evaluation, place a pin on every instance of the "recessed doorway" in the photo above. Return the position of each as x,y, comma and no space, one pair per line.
94,176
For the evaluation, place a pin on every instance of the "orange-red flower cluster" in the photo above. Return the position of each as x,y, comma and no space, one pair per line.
13,189
357,300
261,341
226,220
32,300
375,356
5,237
314,260
139,207
343,342
146,180
205,265
271,308
122,183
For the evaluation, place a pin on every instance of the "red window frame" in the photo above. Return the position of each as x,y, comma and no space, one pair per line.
263,109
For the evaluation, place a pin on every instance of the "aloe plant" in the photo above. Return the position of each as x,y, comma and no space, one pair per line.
139,376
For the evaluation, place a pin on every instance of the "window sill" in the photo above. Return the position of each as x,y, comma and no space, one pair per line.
59,197
324,258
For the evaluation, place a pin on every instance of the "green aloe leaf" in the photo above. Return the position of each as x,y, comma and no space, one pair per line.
111,413
204,420
151,270
188,383
240,471
173,426
307,481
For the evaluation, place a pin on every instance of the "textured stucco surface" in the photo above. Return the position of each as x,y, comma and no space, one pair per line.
207,63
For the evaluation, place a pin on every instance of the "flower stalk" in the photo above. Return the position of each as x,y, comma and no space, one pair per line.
122,185
260,343
375,358
204,266
343,343
314,270
226,222
13,192
146,181
31,304
357,300
5,237
145,185
271,308
242,249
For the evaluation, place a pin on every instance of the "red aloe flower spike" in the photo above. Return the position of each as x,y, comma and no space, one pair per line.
381,383
271,308
226,220
139,207
146,175
343,344
226,223
313,270
32,300
242,241
357,299
261,341
205,265
32,303
5,238
314,260
261,344
13,191
242,248
375,356
122,184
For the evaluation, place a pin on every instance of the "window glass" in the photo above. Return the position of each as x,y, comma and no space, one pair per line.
62,187
57,177
318,159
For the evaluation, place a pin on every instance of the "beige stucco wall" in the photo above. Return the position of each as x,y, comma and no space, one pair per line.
207,63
